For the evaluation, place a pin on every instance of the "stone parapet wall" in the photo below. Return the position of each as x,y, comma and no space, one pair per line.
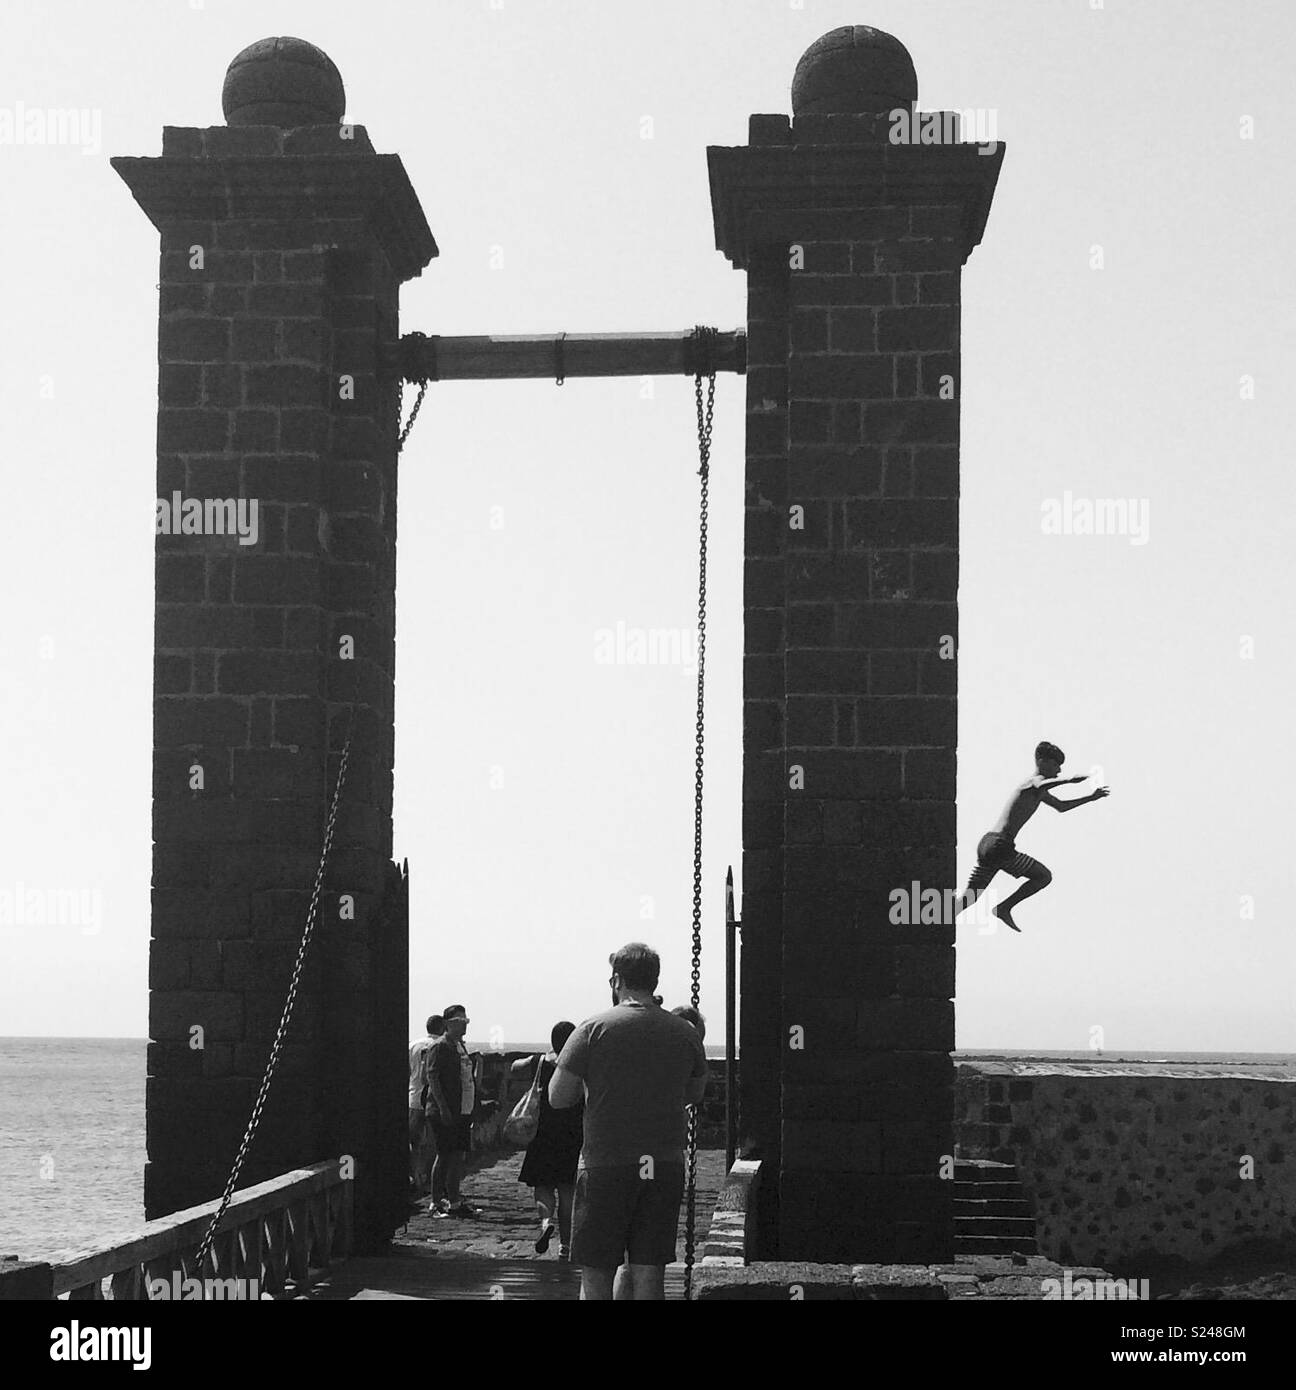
1127,1162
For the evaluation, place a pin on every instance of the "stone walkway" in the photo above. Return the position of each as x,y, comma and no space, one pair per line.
507,1226
491,1256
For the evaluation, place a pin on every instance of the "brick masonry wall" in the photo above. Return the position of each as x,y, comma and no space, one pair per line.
275,292
764,620
1123,1169
871,717
853,251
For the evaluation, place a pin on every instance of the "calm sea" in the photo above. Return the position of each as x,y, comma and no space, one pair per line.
71,1141
72,1133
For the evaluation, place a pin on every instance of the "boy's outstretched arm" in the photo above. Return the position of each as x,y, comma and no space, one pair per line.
1050,800
1048,783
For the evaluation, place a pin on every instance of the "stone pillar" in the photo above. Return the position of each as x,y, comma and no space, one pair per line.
285,239
853,245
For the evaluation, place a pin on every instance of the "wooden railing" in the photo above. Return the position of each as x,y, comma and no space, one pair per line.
275,1239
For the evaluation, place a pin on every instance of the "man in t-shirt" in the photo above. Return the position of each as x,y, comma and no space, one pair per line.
638,1067
450,1081
419,1103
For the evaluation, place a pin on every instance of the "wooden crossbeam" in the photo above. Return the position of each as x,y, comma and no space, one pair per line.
557,356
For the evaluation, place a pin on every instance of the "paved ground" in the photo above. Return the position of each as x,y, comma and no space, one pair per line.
491,1256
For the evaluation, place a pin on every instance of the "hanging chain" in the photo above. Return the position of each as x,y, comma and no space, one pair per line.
705,342
284,1019
312,916
409,424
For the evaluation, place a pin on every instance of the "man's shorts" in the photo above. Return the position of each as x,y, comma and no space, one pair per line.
617,1213
996,853
453,1138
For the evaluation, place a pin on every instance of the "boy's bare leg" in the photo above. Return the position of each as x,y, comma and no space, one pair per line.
1035,883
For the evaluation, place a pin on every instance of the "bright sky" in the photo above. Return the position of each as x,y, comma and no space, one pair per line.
544,800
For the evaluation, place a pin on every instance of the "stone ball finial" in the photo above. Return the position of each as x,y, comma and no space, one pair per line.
285,82
853,70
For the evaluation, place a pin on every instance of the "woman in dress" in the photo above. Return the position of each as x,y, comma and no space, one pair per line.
551,1158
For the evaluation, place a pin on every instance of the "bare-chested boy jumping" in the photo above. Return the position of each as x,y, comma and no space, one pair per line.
997,849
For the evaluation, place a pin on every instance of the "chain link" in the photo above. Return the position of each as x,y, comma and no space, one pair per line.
312,916
705,410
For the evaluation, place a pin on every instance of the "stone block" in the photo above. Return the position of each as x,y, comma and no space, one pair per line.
811,722
837,471
277,580
774,1282
824,1103
301,431
810,672
174,1013
180,385
854,329
899,522
835,291
911,422
183,721
897,721
938,376
890,1283
907,823
897,257
938,675
840,376
185,431
194,338
925,971
255,340
907,1025
255,430
917,1146
285,384
930,773
841,968
172,675
842,822
917,329
850,774
763,630
764,532
881,626
811,624
803,822
267,672
892,673
832,1146
168,967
